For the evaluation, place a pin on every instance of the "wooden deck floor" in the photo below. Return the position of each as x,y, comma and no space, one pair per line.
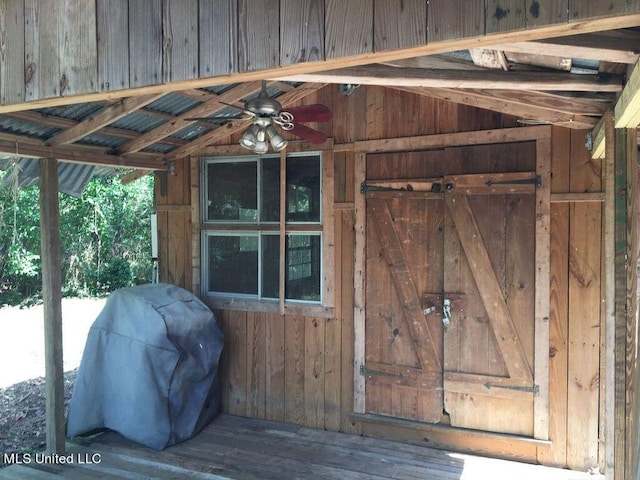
238,448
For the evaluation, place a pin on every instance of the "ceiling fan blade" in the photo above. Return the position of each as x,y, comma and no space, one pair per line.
310,113
232,105
308,134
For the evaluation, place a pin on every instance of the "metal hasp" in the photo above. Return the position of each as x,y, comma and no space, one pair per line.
537,181
535,389
446,312
368,371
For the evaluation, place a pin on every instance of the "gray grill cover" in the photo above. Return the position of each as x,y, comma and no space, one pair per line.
150,367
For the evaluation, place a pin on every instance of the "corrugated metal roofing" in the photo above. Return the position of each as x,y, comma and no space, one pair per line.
173,104
138,122
21,127
99,140
77,112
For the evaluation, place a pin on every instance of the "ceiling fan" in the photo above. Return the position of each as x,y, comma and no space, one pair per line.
267,113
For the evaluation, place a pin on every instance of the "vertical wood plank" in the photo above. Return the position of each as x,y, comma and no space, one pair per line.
113,42
52,300
348,27
314,356
301,31
78,54
237,349
399,24
256,359
12,54
196,251
588,8
445,21
145,42
180,40
622,139
332,374
609,252
42,65
218,19
275,368
559,309
222,318
631,360
505,15
584,312
294,370
359,276
545,12
328,229
258,37
541,362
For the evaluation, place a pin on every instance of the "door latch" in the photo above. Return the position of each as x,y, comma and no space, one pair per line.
446,312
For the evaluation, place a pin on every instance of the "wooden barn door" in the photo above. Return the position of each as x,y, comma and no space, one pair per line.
403,351
451,300
490,271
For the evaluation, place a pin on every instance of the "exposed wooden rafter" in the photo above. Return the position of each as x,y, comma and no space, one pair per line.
617,47
14,145
384,75
102,118
533,106
180,122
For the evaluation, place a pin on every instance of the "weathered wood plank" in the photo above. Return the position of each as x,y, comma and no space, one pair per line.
544,12
348,27
12,53
314,375
78,58
399,24
579,9
258,37
179,40
294,370
505,15
42,65
52,298
218,19
446,23
275,368
301,31
359,276
256,360
113,41
236,336
584,313
559,308
145,43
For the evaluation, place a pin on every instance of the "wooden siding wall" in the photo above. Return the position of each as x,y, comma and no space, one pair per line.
73,47
300,369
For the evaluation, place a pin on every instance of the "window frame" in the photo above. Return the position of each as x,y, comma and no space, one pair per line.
215,227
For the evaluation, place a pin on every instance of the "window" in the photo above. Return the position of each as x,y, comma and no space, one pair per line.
243,253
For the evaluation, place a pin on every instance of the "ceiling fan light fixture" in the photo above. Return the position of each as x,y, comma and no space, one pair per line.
261,147
277,142
249,137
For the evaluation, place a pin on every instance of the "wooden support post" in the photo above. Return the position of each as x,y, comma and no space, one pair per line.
52,298
609,254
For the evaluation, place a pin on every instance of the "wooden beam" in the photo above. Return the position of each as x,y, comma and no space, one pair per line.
286,99
598,139
102,118
180,122
22,147
581,26
52,300
628,106
489,58
384,75
594,46
535,106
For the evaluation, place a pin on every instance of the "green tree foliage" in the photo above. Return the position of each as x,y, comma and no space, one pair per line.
105,239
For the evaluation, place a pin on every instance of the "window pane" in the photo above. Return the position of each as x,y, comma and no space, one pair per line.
270,266
232,191
233,264
303,189
270,190
303,267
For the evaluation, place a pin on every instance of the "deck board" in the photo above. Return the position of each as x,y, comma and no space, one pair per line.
245,449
